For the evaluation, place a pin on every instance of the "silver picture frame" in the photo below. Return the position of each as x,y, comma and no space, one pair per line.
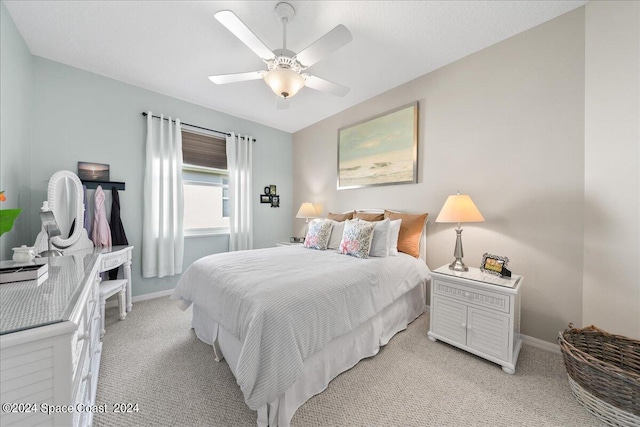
381,150
494,264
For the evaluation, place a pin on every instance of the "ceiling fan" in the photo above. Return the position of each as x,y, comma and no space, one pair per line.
284,74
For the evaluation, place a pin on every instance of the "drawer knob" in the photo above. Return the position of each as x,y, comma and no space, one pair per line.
467,294
83,336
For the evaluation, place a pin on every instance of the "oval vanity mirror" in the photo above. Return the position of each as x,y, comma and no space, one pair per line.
65,199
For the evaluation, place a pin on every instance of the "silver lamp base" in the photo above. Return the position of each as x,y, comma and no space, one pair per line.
458,265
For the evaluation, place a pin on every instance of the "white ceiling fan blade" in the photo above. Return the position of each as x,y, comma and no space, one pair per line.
325,86
241,31
237,77
325,45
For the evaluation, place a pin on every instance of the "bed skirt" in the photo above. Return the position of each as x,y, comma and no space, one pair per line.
338,356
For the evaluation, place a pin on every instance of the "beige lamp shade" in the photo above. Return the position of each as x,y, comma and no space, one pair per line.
284,82
307,211
459,208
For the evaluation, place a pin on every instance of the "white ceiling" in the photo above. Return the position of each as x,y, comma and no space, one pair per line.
171,47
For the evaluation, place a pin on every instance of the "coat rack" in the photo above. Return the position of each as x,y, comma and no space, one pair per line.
106,185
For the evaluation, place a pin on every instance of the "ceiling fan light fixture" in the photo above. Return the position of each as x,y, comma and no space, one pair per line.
284,82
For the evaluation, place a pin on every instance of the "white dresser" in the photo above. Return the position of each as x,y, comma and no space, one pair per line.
50,341
477,312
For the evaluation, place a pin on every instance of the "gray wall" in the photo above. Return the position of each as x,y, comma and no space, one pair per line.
54,115
86,117
16,80
505,125
612,167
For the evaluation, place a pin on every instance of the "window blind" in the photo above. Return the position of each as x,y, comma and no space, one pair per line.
204,150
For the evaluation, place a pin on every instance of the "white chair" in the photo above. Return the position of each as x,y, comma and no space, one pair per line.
109,288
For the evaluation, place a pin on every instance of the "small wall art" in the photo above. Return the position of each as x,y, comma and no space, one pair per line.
93,171
270,196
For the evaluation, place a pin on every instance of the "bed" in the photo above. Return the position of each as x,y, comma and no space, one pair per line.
290,319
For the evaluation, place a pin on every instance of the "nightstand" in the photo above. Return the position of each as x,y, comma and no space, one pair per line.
288,244
477,312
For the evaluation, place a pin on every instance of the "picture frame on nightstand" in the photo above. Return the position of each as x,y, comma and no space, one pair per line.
495,264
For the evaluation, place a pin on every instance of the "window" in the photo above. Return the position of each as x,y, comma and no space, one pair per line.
205,184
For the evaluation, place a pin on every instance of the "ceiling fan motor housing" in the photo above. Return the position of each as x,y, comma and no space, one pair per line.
285,59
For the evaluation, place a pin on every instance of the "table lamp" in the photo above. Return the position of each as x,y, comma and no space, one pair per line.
459,208
306,211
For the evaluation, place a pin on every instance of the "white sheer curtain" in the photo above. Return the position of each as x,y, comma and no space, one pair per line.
162,233
239,164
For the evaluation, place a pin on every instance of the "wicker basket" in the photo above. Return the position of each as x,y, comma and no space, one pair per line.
604,373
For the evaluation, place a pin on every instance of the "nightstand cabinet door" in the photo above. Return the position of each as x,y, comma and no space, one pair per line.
450,320
488,333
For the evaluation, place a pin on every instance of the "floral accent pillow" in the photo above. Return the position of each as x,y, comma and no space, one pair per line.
357,238
318,235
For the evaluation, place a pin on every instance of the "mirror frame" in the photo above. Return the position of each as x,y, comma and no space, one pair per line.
58,241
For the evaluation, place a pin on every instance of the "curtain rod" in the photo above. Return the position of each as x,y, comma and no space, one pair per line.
198,127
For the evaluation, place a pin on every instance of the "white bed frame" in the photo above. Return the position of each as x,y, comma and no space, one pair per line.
338,356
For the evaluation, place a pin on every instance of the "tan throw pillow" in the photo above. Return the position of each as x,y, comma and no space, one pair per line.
369,216
340,217
410,231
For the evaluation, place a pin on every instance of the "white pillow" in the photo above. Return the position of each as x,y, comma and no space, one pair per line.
394,232
336,235
380,243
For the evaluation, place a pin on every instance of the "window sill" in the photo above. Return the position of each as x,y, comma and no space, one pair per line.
206,233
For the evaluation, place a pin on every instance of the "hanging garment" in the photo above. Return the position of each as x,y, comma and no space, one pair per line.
118,236
101,235
86,222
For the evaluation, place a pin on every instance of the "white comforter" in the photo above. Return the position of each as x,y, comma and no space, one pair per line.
284,304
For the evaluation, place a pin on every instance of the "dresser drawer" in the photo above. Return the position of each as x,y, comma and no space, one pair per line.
471,295
113,260
81,339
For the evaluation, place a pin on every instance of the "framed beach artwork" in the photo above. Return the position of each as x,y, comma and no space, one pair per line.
382,150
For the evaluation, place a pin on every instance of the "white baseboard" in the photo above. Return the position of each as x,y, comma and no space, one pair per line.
538,343
152,295
113,302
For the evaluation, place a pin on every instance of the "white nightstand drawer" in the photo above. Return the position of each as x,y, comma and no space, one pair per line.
470,295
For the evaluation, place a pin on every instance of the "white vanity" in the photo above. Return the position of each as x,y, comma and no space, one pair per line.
50,329
50,341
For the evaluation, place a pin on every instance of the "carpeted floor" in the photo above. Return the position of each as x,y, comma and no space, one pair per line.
154,359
